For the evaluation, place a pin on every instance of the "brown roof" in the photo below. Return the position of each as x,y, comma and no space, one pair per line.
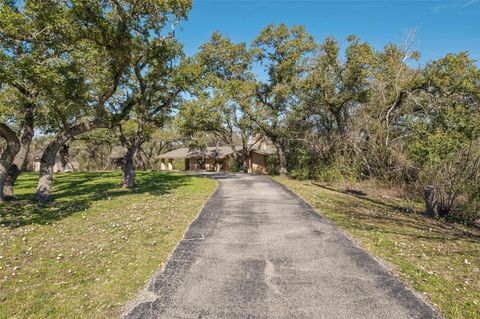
266,151
218,152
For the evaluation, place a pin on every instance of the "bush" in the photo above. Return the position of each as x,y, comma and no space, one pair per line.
456,182
447,151
273,165
234,167
328,173
301,173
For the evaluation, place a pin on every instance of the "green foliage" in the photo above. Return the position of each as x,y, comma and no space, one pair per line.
439,140
332,88
218,94
448,152
302,163
234,166
299,173
329,173
75,54
92,150
273,165
283,52
446,144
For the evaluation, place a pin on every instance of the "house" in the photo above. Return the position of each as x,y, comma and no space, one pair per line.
216,159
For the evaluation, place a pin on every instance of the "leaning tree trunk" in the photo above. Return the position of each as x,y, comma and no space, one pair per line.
47,164
8,155
21,158
63,151
282,158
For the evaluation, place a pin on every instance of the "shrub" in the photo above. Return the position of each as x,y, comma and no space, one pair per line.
300,173
234,166
327,173
447,151
273,165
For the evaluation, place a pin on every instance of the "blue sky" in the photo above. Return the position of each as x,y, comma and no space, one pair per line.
442,26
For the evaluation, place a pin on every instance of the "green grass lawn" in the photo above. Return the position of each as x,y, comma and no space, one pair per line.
94,248
438,259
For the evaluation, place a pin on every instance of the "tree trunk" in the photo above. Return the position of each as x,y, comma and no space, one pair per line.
11,178
47,163
20,159
240,158
431,204
339,119
236,157
245,163
8,155
244,159
129,165
282,158
129,171
63,151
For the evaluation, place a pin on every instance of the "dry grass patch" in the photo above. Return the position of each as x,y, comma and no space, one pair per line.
89,252
438,259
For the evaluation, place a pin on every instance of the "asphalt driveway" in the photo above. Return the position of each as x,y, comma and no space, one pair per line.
258,251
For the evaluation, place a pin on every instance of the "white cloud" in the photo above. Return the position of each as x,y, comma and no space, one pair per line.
469,3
